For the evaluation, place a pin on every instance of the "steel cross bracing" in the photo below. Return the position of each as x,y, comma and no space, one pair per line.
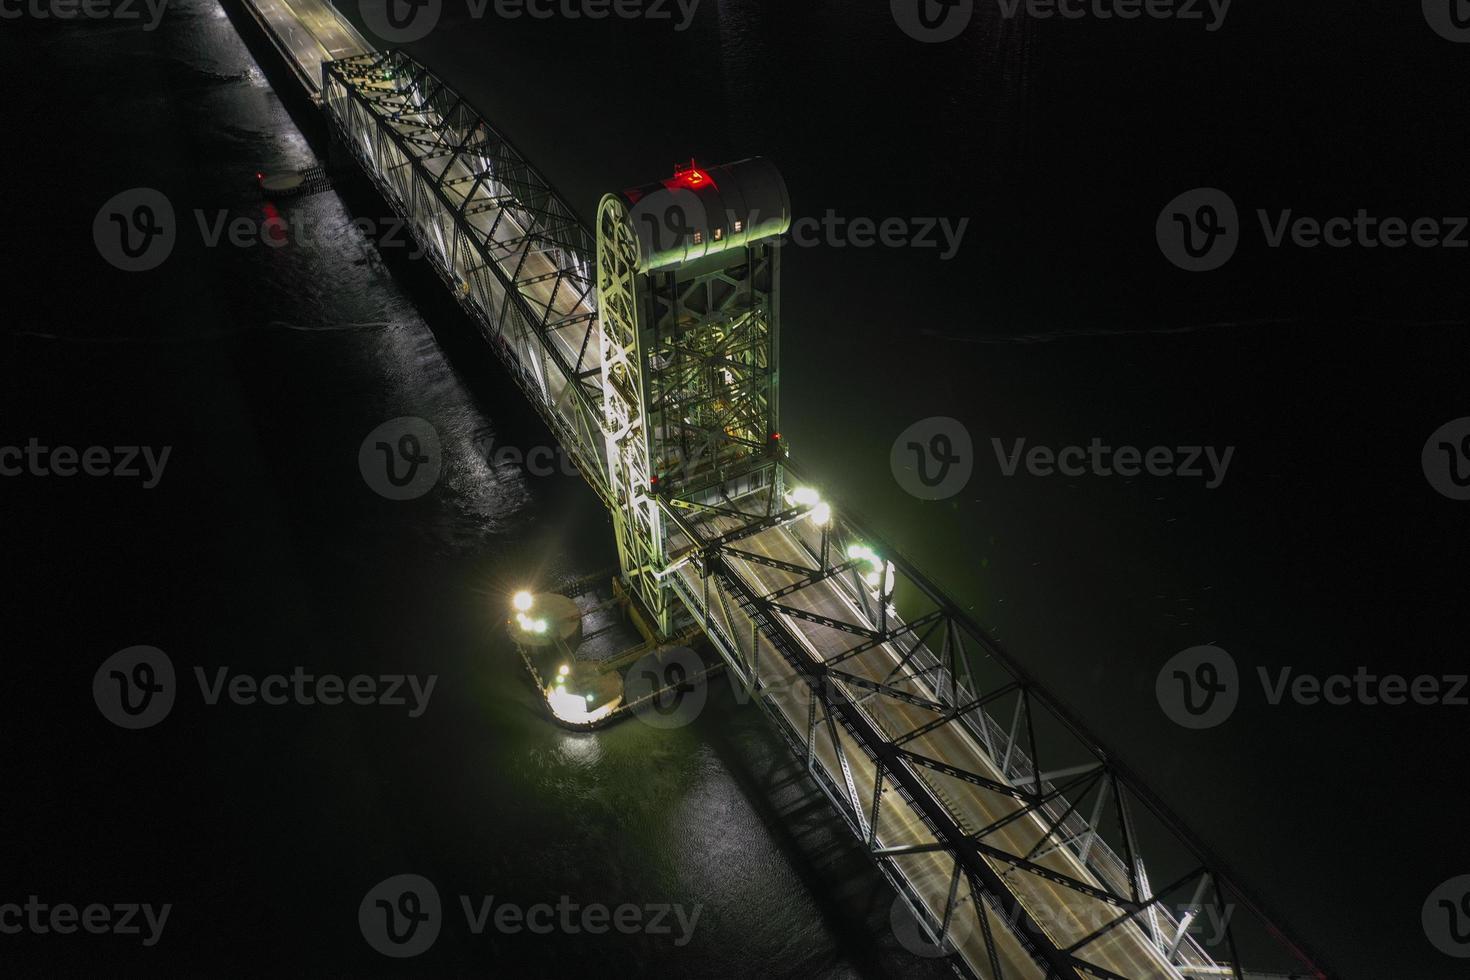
1027,868
1010,831
689,384
510,248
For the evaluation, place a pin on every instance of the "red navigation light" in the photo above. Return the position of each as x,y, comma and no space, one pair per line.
775,437
691,176
259,175
653,481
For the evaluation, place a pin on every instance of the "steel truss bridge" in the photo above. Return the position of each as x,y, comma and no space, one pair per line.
650,346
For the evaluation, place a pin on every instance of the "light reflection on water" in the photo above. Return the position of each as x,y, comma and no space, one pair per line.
310,346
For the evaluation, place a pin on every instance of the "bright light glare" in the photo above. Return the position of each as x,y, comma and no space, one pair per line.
565,670
805,496
575,708
522,601
821,514
531,625
880,571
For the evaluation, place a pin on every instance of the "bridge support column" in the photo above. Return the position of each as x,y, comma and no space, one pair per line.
688,286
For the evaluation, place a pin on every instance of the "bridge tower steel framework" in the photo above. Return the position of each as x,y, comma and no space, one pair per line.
688,274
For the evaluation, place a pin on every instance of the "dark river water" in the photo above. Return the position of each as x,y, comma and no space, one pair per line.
261,549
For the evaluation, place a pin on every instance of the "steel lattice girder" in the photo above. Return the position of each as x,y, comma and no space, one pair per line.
709,535
514,252
637,524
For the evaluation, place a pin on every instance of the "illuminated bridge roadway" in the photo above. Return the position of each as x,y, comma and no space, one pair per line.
650,345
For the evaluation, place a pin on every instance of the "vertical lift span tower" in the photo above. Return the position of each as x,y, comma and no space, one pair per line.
688,277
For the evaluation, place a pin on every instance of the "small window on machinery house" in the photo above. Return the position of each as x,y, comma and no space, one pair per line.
739,226
719,234
699,238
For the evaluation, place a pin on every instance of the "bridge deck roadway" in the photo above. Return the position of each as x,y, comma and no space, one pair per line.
1065,915
308,32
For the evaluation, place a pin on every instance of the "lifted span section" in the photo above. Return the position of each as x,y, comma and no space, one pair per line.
500,236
